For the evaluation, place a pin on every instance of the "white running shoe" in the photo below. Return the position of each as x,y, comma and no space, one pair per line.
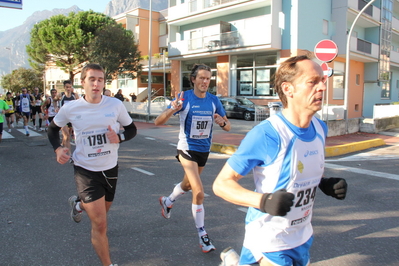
9,131
12,125
75,214
34,127
206,244
229,257
165,209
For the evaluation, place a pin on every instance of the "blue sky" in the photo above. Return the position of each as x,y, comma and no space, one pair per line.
10,18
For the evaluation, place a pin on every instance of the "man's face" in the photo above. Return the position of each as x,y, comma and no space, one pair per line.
36,91
93,85
53,94
308,87
202,80
24,91
8,96
68,87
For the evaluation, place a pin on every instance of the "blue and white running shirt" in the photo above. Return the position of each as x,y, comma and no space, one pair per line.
196,121
281,156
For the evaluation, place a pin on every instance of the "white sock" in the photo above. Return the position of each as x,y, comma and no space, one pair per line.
176,193
77,207
26,128
199,217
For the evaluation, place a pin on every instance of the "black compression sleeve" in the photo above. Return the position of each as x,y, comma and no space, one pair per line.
130,131
53,135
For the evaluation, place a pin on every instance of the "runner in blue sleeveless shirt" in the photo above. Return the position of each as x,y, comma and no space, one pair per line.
198,110
286,155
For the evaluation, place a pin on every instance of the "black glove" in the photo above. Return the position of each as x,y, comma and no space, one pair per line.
277,203
334,186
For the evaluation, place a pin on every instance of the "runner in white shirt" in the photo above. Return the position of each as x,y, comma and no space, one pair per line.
286,154
95,120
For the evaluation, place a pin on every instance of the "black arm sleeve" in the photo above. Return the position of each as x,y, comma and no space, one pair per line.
53,135
130,131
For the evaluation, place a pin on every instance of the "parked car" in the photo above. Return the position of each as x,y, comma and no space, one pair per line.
238,107
162,99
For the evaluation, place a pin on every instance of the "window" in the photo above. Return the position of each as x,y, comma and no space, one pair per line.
338,81
254,74
325,27
154,79
125,82
357,79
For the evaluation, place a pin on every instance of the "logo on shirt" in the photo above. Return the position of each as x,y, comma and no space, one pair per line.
110,115
300,167
195,106
310,153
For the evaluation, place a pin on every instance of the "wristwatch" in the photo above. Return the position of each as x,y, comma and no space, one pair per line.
121,137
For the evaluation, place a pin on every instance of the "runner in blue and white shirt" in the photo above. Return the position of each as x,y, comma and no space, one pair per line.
198,111
286,154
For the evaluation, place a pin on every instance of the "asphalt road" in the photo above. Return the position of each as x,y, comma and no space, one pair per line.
36,228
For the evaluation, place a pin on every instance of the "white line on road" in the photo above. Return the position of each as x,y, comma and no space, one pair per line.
173,144
31,133
7,135
142,171
362,171
149,138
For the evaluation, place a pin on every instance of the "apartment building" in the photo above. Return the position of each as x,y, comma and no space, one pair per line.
243,41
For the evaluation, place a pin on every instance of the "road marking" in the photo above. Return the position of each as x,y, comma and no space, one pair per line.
7,135
365,157
149,138
243,209
142,171
362,171
31,133
173,144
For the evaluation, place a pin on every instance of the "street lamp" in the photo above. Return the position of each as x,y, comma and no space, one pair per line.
347,65
9,48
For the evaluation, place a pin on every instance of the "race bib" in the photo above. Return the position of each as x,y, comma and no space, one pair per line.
201,127
95,143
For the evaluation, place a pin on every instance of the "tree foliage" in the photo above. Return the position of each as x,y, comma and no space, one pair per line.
113,47
63,40
22,77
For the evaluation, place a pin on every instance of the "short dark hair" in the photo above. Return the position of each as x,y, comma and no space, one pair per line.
287,72
67,82
90,67
195,69
8,93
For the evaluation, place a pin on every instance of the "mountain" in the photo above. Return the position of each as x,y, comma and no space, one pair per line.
17,38
116,7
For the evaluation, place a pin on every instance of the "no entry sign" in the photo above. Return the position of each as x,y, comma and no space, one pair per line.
326,50
327,71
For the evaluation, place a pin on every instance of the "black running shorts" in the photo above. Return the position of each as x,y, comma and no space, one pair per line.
92,186
199,157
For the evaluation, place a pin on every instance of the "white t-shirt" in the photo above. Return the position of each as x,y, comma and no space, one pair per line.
90,123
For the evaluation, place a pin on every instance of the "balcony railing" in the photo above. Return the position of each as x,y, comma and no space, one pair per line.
213,42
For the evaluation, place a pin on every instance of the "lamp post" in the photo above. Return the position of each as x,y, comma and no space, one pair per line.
347,65
149,66
9,48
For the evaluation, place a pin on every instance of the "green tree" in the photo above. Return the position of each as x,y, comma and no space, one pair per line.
63,40
22,77
113,47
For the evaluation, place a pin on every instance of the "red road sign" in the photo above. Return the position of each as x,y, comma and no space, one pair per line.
327,71
326,50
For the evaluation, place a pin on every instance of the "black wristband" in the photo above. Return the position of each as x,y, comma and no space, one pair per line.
224,124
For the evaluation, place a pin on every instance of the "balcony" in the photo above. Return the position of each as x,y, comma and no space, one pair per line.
363,51
199,10
370,17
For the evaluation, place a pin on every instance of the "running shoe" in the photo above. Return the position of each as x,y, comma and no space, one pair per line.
229,257
206,244
75,214
9,131
12,125
40,129
34,127
165,209
27,134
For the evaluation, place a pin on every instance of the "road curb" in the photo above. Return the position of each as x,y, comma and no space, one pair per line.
353,147
329,151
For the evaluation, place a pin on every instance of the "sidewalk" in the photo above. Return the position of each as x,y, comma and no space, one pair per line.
228,142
